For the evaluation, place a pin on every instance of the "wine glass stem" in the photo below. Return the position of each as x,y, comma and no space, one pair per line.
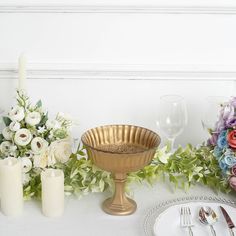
172,142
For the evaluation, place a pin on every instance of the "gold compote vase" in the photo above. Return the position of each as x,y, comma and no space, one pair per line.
120,149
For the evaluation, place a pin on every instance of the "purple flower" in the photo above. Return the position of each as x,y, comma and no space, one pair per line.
227,112
213,139
232,182
220,125
233,170
231,123
233,102
226,117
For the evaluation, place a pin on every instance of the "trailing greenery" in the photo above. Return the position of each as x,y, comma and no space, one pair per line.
184,168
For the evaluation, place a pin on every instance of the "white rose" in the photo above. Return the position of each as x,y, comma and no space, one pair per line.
14,126
38,145
61,150
43,160
22,137
25,178
33,118
53,124
26,164
17,114
7,133
5,147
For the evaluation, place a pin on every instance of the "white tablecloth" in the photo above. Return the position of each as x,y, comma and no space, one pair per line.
84,217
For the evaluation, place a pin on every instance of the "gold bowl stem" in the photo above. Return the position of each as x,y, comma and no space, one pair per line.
119,204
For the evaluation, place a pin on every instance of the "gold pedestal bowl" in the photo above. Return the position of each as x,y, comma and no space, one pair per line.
120,149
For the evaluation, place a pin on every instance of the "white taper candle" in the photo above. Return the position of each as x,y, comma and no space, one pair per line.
52,192
11,187
22,72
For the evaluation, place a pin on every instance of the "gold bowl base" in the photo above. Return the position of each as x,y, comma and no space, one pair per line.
127,208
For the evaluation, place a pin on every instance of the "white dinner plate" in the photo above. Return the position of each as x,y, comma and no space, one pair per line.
164,219
168,222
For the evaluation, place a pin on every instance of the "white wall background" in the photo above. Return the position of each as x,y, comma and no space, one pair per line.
110,61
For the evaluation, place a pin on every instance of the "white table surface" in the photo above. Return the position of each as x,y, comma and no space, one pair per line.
84,217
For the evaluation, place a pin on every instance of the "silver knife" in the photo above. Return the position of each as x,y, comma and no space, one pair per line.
228,221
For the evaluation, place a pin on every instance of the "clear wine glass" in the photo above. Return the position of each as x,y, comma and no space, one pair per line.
212,107
172,117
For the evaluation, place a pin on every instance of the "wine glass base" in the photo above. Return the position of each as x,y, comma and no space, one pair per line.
127,208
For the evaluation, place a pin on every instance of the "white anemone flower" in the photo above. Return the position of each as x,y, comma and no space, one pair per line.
7,133
53,124
5,147
26,164
22,137
38,145
14,126
17,113
33,118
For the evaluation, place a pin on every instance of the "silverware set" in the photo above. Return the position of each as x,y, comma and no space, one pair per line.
206,216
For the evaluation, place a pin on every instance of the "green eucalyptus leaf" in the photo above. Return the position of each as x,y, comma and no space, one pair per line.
1,138
6,120
39,104
43,120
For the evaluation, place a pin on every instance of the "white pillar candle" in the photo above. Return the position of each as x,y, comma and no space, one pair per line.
22,72
52,192
11,186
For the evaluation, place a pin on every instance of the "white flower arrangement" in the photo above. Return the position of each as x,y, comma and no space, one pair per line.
39,142
33,138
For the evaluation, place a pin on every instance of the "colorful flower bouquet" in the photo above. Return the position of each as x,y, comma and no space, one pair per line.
223,141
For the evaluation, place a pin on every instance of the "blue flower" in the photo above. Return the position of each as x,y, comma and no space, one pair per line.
222,140
230,160
217,152
223,166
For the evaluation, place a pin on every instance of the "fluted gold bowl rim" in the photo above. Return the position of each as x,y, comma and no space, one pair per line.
105,151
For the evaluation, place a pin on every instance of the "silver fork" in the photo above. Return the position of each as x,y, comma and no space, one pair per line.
186,219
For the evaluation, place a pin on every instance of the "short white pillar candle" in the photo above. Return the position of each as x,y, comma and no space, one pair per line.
11,187
52,192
